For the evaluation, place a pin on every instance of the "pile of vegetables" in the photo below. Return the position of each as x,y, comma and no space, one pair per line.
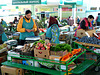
61,47
40,41
42,45
70,54
27,48
3,46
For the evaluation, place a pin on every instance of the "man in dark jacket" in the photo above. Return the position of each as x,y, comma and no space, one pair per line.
98,19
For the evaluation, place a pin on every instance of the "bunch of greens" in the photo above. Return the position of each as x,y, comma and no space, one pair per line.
61,47
64,22
41,41
41,23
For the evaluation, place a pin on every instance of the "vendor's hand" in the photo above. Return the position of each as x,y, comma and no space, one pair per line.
32,30
28,30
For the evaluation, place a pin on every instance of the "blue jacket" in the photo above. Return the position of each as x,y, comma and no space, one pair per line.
53,33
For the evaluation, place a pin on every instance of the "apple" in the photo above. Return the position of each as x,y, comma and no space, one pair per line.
48,47
38,48
43,48
38,43
49,44
41,45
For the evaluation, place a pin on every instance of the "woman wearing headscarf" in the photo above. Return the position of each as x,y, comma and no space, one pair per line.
53,30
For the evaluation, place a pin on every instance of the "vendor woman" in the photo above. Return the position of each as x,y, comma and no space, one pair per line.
53,31
3,36
26,26
85,24
3,22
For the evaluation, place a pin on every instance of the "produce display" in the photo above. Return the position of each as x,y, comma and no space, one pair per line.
38,45
41,45
92,40
61,47
27,48
70,54
3,46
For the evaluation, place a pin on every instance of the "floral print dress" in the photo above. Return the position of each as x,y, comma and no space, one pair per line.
55,33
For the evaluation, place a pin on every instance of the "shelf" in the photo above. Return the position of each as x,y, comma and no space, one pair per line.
32,68
82,67
88,44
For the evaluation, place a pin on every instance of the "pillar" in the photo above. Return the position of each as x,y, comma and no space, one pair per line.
33,9
60,12
74,13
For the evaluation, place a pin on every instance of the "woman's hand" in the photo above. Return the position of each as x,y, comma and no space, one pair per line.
32,30
28,30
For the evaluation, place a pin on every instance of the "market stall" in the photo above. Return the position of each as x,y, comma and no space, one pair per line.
56,62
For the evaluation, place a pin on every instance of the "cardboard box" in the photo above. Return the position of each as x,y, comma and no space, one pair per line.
58,53
41,53
62,37
17,60
81,33
53,57
11,71
53,44
3,58
98,33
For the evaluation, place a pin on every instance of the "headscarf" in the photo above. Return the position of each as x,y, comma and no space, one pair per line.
52,21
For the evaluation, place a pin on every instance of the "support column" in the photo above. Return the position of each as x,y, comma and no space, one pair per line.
74,13
33,9
60,12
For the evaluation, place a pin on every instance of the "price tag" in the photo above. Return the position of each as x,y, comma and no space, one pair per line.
63,67
8,58
56,59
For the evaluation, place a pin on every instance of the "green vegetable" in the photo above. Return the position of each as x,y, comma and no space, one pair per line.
52,48
61,47
57,48
42,41
35,43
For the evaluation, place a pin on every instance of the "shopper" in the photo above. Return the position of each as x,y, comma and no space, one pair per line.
98,19
93,23
3,23
56,17
78,20
15,20
53,30
26,26
3,36
85,23
71,18
68,18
